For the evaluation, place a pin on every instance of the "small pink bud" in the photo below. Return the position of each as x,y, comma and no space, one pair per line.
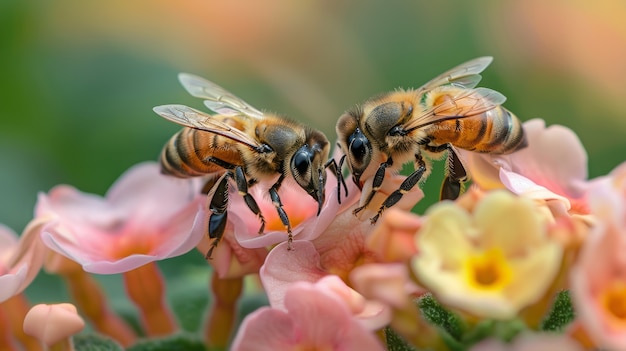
52,324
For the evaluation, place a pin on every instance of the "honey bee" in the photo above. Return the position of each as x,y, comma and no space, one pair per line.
245,144
448,112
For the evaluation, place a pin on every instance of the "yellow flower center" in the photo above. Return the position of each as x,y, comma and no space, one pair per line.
488,270
614,300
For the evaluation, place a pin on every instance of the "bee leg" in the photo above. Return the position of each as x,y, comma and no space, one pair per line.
376,183
242,188
219,215
455,176
405,187
279,208
332,164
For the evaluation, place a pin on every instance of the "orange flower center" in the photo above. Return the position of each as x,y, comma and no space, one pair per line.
126,245
274,222
614,300
488,270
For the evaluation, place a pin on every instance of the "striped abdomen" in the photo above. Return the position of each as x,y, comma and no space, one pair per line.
186,153
496,131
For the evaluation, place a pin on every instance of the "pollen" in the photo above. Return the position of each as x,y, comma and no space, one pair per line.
614,300
488,270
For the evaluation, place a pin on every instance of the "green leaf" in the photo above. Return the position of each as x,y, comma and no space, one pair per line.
561,314
95,342
179,342
395,342
434,313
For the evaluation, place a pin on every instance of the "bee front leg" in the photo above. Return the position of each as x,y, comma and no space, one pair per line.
404,188
219,214
242,188
279,208
376,184
336,169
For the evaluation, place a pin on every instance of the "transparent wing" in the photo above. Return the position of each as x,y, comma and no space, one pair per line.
465,75
192,118
217,99
467,103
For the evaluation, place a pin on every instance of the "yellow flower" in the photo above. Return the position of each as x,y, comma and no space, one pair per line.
492,262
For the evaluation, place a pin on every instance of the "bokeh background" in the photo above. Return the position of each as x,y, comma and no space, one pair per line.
78,79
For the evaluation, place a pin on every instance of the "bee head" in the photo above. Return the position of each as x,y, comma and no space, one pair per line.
354,143
308,167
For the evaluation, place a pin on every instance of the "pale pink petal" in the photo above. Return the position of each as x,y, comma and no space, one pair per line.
12,283
21,258
523,186
325,321
134,192
554,165
371,314
313,319
554,158
284,267
265,329
388,283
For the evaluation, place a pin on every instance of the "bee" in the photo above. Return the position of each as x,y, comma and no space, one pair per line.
403,126
242,143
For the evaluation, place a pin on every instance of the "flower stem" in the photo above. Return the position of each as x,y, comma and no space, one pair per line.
146,289
14,310
91,301
221,319
64,345
577,332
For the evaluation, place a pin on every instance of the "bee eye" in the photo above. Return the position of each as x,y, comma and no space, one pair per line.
359,146
301,162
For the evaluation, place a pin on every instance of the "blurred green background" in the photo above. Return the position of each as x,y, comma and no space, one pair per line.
78,79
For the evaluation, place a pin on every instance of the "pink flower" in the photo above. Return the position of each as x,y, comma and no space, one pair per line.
284,268
242,250
388,283
20,258
336,252
299,206
598,278
229,258
552,167
312,319
145,216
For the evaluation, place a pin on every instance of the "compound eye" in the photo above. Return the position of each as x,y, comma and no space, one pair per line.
359,147
301,162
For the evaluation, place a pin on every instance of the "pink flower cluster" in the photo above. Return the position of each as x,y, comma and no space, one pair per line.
531,224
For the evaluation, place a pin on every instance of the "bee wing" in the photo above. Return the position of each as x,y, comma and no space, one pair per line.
468,103
465,75
217,98
192,118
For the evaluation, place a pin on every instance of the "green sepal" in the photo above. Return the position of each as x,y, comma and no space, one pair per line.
560,315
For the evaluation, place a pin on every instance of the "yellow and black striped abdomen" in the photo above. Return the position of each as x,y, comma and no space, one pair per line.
186,153
496,131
